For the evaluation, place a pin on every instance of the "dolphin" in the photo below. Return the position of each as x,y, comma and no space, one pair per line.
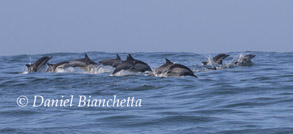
217,59
245,60
54,67
173,69
112,62
132,65
84,63
38,65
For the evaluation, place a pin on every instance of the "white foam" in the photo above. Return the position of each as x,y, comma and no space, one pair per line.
25,72
160,75
126,73
91,70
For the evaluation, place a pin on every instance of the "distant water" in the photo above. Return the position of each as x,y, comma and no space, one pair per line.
254,99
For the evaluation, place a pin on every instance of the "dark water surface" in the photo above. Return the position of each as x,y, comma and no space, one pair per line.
254,99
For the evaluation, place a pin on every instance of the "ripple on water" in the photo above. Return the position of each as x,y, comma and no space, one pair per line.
249,99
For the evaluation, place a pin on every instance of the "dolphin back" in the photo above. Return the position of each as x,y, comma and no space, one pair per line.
180,70
112,62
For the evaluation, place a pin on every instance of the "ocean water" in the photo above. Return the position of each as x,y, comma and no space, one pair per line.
253,99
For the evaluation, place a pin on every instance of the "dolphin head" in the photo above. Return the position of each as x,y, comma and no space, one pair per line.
30,67
204,62
245,60
219,58
50,67
249,56
225,56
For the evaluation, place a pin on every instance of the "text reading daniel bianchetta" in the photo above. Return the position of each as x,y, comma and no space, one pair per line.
80,101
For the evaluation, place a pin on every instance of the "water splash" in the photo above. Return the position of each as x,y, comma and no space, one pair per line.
211,61
126,73
92,70
230,64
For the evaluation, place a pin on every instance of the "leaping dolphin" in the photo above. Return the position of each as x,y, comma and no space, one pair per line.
217,59
54,67
245,60
38,65
84,63
173,69
112,62
133,65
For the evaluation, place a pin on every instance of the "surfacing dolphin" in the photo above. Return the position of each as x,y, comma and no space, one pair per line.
132,65
54,67
38,65
245,60
217,59
84,63
173,69
112,62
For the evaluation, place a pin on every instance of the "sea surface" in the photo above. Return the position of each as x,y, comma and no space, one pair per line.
255,99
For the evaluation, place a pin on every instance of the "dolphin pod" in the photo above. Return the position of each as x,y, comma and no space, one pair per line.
133,65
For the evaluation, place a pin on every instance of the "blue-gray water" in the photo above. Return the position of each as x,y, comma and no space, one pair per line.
246,99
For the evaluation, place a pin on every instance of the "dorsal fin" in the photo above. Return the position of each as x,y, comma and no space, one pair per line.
86,57
118,57
168,61
129,57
